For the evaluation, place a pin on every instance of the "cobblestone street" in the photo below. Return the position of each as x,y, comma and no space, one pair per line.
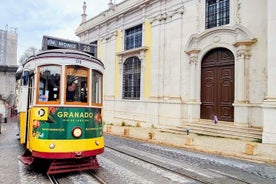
10,150
120,168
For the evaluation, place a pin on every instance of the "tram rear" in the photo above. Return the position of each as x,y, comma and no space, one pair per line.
60,108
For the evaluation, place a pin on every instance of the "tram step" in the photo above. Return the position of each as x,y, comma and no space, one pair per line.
69,165
26,158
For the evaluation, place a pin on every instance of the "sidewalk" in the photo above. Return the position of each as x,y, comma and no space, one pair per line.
257,152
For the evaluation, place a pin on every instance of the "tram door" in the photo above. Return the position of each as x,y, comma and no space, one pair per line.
217,85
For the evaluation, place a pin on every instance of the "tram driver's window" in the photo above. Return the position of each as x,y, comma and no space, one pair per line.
49,83
76,85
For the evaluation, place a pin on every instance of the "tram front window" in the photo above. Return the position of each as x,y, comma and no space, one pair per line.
76,89
49,82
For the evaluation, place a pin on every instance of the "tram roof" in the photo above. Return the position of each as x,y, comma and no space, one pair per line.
63,53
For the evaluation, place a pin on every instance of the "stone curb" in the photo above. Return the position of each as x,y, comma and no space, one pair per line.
142,137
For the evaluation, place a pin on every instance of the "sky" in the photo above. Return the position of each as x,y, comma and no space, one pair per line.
34,18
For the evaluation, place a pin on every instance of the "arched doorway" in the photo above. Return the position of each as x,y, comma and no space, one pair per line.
217,85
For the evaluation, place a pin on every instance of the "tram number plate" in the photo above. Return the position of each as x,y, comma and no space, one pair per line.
78,61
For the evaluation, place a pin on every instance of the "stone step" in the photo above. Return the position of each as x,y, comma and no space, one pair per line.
226,124
233,128
222,129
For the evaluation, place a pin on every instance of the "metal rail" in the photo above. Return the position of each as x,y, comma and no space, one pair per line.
52,179
190,176
96,177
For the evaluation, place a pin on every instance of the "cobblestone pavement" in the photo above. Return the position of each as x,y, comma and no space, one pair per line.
10,150
257,152
208,168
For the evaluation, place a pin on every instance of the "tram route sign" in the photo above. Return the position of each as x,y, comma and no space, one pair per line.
49,43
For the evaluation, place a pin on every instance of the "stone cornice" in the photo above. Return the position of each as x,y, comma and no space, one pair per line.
245,42
193,51
132,51
115,13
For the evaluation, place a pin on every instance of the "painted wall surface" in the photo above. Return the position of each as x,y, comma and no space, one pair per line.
175,41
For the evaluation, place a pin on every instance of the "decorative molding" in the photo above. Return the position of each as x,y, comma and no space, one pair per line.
238,12
216,39
243,53
193,55
139,52
243,49
168,14
239,34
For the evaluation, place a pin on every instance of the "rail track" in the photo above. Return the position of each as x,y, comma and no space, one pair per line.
55,179
219,177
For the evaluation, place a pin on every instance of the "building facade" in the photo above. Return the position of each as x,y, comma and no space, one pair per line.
8,47
174,61
8,67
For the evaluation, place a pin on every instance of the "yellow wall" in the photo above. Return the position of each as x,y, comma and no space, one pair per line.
147,43
147,59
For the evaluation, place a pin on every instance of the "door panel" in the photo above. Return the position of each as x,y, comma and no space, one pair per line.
217,85
225,93
208,98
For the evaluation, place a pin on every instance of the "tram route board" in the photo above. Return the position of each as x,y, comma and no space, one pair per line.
58,43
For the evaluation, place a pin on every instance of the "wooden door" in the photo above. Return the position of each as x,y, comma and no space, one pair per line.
217,85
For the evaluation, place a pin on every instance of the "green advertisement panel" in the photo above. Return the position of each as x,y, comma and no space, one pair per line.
63,120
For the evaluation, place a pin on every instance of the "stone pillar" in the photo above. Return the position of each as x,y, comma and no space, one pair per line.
240,76
193,103
241,103
193,64
269,105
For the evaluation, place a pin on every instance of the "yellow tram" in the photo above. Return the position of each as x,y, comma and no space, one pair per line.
60,106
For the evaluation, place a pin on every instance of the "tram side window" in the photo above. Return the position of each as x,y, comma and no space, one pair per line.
49,83
31,90
76,89
96,87
25,78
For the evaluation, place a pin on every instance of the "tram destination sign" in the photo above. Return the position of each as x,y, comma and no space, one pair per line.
58,43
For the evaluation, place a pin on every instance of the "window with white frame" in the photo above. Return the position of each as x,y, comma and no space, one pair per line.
133,37
131,78
216,13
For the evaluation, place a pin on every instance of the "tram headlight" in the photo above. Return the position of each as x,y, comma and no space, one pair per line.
77,132
97,142
52,146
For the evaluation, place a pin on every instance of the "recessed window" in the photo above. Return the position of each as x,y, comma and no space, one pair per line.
217,13
131,78
133,37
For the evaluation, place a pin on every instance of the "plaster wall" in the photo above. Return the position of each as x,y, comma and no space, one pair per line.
170,85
